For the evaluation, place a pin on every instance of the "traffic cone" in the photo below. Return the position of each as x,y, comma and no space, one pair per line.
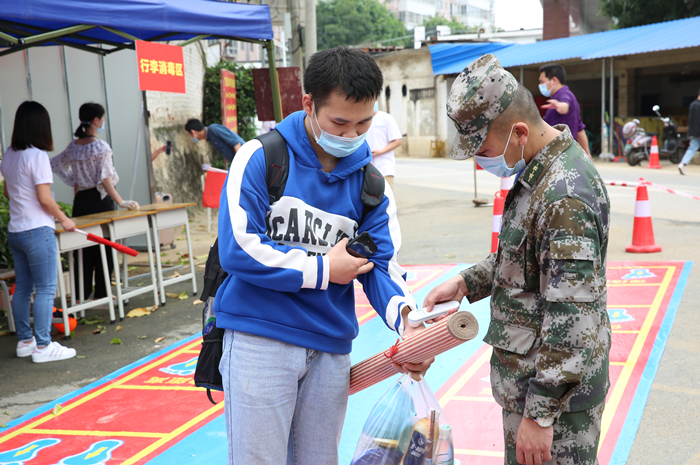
654,155
506,184
643,231
498,203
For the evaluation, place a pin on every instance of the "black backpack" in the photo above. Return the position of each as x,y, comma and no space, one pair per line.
277,170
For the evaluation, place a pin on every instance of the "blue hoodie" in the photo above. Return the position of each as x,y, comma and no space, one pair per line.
276,255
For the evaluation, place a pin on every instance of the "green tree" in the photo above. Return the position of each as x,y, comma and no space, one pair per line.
455,26
245,97
355,22
630,13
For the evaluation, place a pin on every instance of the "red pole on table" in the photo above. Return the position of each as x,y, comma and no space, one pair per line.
114,245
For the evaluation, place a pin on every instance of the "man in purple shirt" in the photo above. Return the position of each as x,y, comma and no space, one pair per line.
562,106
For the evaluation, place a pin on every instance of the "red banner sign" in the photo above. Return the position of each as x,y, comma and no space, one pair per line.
161,67
229,108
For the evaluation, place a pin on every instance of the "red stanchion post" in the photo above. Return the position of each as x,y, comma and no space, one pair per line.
498,203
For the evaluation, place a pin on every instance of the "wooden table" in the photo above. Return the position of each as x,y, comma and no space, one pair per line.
68,242
123,224
169,216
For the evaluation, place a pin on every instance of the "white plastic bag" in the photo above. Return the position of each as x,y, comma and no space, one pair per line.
406,427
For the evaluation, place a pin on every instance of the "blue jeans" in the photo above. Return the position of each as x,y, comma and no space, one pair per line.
35,256
284,403
692,148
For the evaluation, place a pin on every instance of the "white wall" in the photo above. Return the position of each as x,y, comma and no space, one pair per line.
84,84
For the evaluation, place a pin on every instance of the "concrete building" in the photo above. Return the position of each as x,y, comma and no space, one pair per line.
567,18
243,52
471,13
477,13
179,173
644,73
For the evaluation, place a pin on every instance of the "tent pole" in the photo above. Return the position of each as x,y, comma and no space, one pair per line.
612,106
57,34
138,151
274,82
65,83
2,132
30,88
522,75
602,109
120,33
193,40
104,89
149,152
9,38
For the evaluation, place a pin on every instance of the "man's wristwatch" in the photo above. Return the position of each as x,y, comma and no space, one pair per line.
544,422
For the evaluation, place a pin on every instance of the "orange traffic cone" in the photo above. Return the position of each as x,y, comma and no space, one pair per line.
643,231
654,155
498,203
506,184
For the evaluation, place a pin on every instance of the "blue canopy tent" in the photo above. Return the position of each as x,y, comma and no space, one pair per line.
116,26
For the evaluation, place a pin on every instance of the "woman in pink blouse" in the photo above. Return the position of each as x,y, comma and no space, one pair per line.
86,164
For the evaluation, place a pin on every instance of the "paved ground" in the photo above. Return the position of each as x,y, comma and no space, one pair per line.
439,225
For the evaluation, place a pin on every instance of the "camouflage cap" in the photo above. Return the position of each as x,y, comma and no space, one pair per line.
478,96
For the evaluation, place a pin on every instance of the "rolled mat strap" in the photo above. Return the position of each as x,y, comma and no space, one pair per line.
438,338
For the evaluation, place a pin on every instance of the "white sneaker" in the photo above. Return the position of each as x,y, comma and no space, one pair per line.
681,168
25,349
52,353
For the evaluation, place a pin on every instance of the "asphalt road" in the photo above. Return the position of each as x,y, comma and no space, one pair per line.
439,225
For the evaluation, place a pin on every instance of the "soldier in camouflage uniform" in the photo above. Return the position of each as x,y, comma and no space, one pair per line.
549,326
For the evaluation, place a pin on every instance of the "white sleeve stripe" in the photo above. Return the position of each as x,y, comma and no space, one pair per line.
395,271
310,274
250,243
326,272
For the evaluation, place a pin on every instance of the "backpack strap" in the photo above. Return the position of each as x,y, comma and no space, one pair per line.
277,171
276,163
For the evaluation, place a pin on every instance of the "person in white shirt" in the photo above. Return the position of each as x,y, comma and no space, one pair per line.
27,173
383,138
86,164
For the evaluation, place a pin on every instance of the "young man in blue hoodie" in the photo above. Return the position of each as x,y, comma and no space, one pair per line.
288,303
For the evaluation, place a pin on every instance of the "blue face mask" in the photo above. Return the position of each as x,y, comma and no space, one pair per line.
100,129
498,166
376,106
339,147
544,91
194,139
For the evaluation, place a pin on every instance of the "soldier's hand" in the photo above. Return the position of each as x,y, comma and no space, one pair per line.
534,444
453,289
343,266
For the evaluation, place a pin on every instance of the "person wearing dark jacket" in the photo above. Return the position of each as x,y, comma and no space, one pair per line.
693,134
225,141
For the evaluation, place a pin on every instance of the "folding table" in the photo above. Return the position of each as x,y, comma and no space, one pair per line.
123,224
68,242
169,216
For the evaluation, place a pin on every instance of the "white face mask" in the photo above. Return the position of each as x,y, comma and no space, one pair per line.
498,166
337,146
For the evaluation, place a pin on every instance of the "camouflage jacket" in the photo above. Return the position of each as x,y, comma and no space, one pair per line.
549,326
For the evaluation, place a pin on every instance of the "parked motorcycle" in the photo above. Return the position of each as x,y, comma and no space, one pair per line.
639,141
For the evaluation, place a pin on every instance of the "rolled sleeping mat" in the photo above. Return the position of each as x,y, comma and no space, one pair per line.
440,337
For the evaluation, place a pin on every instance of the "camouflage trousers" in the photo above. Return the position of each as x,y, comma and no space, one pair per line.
576,436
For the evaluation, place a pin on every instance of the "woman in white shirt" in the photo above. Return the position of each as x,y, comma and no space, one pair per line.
27,172
86,164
